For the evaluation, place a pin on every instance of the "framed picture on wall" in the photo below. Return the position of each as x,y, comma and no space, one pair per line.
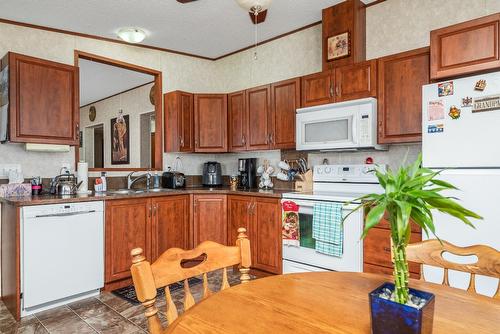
120,140
339,46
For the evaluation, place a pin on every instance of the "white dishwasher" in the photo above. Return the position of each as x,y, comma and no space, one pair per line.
62,254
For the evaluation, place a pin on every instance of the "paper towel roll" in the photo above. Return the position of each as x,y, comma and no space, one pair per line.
83,175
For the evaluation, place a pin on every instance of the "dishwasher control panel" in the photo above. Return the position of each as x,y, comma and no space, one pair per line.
63,208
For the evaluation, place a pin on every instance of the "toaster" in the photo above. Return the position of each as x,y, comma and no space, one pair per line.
173,180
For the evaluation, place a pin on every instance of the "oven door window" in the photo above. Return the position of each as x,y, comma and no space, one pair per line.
306,230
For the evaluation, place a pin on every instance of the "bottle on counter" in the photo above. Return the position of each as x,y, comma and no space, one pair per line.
104,186
36,186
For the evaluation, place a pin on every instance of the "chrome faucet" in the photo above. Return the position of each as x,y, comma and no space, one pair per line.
130,181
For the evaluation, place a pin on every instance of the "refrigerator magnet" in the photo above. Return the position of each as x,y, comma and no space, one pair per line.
480,85
454,112
445,88
466,102
486,103
435,110
435,128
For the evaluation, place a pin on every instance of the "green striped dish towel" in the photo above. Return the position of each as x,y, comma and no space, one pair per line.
327,228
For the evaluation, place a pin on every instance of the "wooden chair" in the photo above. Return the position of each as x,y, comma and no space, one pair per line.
430,252
167,269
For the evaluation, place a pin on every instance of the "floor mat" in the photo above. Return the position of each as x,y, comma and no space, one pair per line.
128,292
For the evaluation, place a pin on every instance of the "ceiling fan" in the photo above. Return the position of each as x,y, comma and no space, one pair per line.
257,9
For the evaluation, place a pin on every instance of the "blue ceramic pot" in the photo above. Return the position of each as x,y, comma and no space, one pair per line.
389,317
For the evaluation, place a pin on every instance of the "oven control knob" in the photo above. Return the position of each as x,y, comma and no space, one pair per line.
319,170
328,170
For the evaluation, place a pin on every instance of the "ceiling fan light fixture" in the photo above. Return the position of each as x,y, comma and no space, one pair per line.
254,6
131,34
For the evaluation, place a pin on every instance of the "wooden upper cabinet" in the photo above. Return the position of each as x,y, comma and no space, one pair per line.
258,101
179,122
210,218
238,119
210,122
400,81
43,101
356,81
348,16
466,47
285,100
265,237
317,89
128,226
170,223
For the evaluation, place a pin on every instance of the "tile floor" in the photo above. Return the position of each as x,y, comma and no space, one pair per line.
106,313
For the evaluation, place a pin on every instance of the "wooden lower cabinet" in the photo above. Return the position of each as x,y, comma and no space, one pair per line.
210,218
128,226
170,223
262,219
377,251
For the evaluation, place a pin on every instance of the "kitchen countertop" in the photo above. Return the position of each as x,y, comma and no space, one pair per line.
54,199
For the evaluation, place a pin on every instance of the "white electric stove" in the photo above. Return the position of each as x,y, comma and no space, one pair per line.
332,183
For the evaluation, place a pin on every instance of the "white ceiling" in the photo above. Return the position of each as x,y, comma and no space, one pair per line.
209,28
98,81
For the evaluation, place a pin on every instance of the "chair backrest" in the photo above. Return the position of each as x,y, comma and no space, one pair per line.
430,252
167,269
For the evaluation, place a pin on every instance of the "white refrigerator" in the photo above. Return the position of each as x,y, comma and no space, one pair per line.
461,137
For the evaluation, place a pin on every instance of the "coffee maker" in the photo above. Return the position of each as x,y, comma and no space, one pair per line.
247,170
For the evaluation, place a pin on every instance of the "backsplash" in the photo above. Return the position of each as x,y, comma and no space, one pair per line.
192,163
393,157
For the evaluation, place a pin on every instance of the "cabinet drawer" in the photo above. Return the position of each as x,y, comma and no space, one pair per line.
377,248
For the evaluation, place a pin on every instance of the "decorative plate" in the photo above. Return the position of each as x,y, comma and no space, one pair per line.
92,113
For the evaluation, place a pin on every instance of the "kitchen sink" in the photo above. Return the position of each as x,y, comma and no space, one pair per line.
137,191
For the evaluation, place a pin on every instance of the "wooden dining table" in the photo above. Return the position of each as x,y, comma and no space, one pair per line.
326,302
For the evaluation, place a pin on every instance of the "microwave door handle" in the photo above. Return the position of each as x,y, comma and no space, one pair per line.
354,130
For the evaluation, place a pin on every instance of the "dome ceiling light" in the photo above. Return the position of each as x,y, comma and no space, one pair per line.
131,35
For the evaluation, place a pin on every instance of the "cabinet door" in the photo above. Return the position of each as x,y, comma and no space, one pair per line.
186,122
179,134
238,208
400,80
317,89
210,116
238,119
170,223
128,226
466,47
356,81
210,218
44,101
259,105
266,235
285,100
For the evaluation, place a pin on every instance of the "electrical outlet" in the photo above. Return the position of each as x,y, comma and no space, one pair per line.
6,168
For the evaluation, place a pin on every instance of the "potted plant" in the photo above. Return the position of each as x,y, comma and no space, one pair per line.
411,193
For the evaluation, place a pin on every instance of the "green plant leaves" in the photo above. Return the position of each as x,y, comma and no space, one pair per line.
373,217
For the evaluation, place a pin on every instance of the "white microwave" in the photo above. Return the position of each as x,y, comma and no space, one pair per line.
338,126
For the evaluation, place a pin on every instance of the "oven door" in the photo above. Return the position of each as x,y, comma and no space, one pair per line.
352,258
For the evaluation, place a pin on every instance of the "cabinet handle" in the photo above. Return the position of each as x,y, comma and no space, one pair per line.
194,206
252,208
155,209
267,139
77,131
150,211
196,143
331,90
338,90
271,139
181,141
243,140
387,249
